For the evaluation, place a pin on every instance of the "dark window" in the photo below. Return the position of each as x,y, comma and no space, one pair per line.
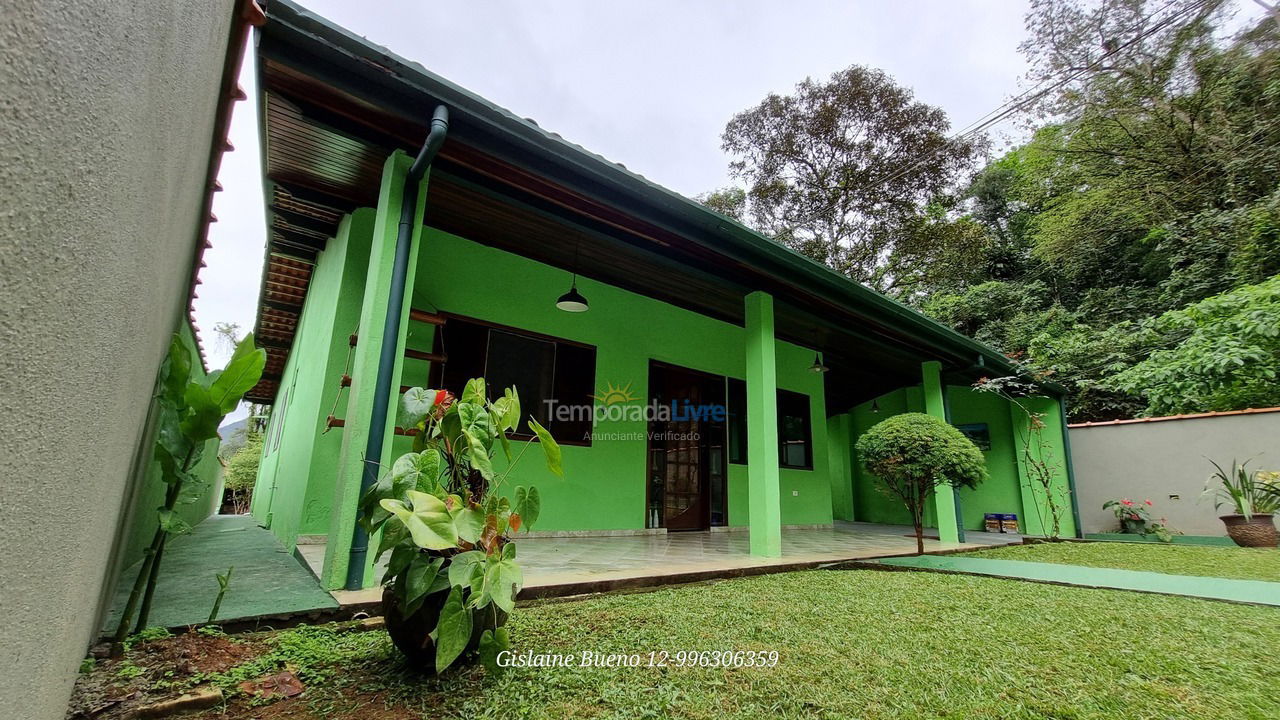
528,364
736,416
541,368
795,437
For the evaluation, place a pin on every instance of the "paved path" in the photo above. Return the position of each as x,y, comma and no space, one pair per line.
572,565
1256,592
267,579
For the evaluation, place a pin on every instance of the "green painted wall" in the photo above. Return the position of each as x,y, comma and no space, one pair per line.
1001,493
604,484
298,461
1048,447
840,465
199,501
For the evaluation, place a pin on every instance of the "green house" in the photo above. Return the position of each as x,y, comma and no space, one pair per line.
699,376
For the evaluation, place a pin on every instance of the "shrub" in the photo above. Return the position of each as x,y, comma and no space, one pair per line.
913,454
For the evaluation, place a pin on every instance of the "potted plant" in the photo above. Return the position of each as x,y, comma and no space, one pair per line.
913,455
452,577
1135,519
1255,496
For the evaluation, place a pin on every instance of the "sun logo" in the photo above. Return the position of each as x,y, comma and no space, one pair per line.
614,394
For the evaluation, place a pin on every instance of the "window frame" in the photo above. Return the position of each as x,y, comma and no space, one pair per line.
436,375
806,417
735,414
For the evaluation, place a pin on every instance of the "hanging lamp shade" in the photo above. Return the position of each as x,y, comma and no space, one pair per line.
572,301
817,365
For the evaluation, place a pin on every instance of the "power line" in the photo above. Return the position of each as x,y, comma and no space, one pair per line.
1017,103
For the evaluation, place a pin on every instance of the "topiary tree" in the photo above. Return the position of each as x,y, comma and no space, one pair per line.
913,454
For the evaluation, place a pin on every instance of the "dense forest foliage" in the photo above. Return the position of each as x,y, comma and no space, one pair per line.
1130,250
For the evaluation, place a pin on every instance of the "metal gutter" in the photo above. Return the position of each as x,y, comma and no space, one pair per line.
387,356
1071,471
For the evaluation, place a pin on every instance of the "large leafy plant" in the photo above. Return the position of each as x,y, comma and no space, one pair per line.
445,519
188,410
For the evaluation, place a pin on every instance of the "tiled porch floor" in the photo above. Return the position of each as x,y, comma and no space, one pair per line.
559,565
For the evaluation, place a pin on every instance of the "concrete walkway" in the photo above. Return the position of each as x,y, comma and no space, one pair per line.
557,566
1255,592
267,582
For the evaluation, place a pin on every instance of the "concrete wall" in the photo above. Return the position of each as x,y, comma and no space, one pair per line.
107,113
1154,460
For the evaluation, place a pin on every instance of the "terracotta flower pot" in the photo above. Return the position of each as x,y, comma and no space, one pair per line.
1260,531
412,634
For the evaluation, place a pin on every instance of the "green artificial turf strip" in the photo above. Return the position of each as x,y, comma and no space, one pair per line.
859,644
1225,562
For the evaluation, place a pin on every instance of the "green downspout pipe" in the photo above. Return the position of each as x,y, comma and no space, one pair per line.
391,334
1071,472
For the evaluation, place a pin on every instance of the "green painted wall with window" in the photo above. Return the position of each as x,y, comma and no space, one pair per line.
604,484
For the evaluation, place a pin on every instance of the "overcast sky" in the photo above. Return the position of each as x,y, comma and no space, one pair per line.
650,85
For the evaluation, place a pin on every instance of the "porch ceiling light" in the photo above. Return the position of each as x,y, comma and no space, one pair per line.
817,365
573,301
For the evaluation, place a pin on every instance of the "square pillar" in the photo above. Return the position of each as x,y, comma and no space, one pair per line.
764,503
945,503
1047,445
364,366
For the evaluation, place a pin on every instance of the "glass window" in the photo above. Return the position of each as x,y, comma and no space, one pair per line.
796,446
736,416
541,368
795,440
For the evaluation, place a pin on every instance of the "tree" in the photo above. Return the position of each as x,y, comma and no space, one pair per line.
728,201
242,472
913,454
1222,353
836,169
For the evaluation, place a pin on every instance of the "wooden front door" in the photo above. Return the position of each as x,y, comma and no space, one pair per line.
686,452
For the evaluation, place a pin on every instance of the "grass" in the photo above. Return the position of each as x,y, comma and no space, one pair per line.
1224,562
858,644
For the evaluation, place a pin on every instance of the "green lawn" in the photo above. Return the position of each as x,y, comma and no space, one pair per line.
1224,562
856,644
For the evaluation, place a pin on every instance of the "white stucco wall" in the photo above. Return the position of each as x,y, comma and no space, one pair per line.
106,113
1154,460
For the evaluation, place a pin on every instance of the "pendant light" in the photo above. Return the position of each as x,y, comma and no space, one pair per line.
573,301
817,365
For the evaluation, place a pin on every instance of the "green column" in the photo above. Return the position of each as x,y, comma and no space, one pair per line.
764,511
1044,445
364,367
840,465
944,498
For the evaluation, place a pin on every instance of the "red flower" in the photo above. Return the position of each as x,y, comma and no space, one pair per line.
444,399
1126,503
1148,502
